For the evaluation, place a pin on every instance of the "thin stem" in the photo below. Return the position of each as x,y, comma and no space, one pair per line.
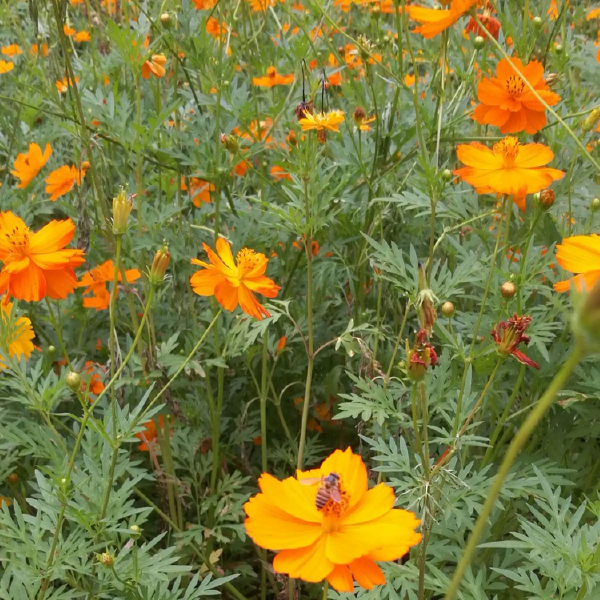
309,318
516,445
325,589
113,296
263,400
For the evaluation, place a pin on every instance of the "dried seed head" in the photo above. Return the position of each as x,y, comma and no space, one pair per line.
359,115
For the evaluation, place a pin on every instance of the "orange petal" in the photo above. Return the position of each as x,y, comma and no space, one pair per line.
226,295
340,579
533,155
28,285
297,498
367,573
224,251
59,284
352,471
374,504
205,281
250,304
579,253
584,281
310,564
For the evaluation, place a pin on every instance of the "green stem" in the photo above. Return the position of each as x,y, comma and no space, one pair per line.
325,589
263,400
113,295
517,443
309,318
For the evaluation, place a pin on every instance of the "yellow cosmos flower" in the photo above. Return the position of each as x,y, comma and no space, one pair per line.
322,121
15,334
340,542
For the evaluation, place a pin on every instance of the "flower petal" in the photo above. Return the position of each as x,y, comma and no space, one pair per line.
585,281
340,579
533,155
367,573
52,237
375,503
226,295
352,471
28,285
310,563
579,253
205,281
298,499
59,284
224,251
250,305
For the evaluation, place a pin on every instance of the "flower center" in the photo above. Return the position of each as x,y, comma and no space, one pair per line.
18,240
515,85
271,72
332,511
508,148
247,261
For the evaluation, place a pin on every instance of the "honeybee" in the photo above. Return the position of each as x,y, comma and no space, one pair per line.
329,488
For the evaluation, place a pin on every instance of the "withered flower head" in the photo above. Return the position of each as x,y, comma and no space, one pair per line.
509,334
359,115
303,109
420,357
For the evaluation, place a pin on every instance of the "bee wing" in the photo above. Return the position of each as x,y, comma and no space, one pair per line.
310,480
335,494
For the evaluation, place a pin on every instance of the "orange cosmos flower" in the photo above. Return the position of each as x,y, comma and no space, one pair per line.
216,29
281,344
92,381
29,164
507,168
155,66
340,542
12,50
63,85
435,21
593,14
200,190
204,4
279,173
37,264
95,283
35,49
507,103
82,36
232,284
15,334
6,66
322,121
273,78
149,436
68,30
62,180
260,5
579,254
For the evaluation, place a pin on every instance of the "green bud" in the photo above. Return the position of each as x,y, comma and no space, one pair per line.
73,381
479,42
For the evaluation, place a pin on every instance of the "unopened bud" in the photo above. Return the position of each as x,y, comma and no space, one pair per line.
447,174
51,350
508,289
165,20
121,210
595,204
537,21
558,48
73,381
552,79
376,10
591,120
479,42
13,478
448,309
292,138
135,531
159,265
230,142
545,199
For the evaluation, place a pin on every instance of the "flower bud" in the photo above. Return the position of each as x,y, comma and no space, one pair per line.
508,289
537,21
448,309
595,204
159,265
376,11
230,142
591,120
447,175
545,199
121,210
51,350
106,559
552,79
165,20
135,531
13,478
73,381
292,138
558,48
479,42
